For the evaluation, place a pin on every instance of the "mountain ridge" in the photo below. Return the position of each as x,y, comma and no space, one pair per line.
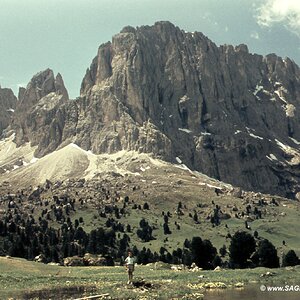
157,89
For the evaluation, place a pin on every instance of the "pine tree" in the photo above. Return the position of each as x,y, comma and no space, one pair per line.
267,254
290,259
241,247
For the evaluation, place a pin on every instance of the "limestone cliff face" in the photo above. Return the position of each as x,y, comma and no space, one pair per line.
226,112
38,118
222,110
8,103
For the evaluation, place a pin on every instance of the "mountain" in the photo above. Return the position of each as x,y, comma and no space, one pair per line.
157,89
37,117
8,103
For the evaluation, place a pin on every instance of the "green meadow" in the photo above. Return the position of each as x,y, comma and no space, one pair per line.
21,279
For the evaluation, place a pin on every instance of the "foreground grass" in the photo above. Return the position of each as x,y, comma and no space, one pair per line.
21,279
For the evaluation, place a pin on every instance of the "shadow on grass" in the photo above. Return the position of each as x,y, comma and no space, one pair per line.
70,292
143,285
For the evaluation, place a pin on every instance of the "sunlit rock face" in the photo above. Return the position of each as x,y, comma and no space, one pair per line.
157,89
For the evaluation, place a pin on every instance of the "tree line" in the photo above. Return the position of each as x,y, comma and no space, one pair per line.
21,235
30,238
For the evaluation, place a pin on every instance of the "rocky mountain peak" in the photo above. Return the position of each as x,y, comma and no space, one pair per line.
126,43
59,87
43,93
223,111
21,93
7,98
42,84
8,102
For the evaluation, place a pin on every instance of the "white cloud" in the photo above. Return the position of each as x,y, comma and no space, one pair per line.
254,35
286,12
226,29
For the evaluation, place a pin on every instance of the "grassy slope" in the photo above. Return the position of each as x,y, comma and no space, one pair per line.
162,188
175,185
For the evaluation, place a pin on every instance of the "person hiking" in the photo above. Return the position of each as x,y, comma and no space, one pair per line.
129,263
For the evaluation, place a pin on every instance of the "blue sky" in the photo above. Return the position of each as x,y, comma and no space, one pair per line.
64,35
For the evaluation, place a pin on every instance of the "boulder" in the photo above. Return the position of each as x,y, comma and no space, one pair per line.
74,261
94,260
215,285
239,285
40,258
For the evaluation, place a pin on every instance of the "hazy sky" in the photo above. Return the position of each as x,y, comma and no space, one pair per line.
64,35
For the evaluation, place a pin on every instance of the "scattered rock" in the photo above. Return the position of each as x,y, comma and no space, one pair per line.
40,258
215,285
224,216
177,268
35,194
94,260
268,274
237,192
196,296
74,261
195,268
239,285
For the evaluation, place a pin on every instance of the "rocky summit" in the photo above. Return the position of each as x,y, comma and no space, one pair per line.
223,111
8,103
